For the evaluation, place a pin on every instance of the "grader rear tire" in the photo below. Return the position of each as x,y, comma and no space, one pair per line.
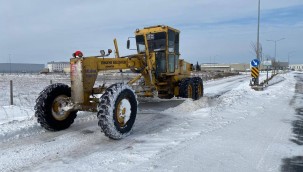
48,108
198,88
186,88
117,111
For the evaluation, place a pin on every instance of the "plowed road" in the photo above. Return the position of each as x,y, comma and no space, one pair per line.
232,128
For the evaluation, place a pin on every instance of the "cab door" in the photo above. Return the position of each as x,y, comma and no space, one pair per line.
173,51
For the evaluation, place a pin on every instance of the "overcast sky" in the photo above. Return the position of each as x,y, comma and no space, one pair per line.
221,31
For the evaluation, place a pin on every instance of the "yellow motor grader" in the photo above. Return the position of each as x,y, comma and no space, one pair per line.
157,62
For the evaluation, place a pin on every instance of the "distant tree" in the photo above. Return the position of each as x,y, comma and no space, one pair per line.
267,57
198,67
275,65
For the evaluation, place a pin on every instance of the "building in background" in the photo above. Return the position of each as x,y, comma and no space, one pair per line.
215,67
20,68
280,65
238,67
57,66
242,67
296,67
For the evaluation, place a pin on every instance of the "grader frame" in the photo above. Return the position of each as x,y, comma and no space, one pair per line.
157,62
84,72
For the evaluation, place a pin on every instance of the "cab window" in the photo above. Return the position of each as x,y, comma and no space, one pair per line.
156,41
171,63
140,43
177,43
171,41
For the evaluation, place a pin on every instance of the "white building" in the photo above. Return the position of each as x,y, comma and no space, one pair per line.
57,66
297,67
215,67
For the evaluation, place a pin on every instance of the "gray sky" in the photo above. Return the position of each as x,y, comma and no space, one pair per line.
37,31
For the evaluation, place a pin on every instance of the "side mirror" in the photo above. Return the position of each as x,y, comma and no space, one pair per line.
109,51
128,44
102,52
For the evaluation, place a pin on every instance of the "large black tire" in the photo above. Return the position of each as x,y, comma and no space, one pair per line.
186,88
198,88
182,86
47,108
117,111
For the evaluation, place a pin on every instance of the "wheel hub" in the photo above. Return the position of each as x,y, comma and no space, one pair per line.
58,108
123,112
190,91
200,90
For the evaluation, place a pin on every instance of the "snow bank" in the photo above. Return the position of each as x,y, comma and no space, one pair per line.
9,113
189,106
276,80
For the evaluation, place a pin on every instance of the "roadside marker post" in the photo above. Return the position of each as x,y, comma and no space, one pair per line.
255,71
11,92
255,74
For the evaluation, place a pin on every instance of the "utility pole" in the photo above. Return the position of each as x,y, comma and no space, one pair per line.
267,73
275,41
258,47
10,64
289,55
215,58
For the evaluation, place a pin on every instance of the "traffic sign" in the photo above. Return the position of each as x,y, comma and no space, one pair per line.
254,72
255,62
267,63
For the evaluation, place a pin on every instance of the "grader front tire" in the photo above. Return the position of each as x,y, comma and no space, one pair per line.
48,108
117,111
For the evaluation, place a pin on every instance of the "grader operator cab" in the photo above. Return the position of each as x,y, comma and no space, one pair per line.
157,62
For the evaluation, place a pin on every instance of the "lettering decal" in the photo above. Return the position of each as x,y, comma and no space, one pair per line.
113,62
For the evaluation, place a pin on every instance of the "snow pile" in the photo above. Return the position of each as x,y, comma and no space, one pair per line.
189,106
10,113
276,80
19,129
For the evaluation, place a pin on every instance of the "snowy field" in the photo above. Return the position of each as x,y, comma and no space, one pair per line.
232,128
26,88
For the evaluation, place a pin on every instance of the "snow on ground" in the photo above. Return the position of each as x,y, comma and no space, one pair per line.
245,131
26,88
232,128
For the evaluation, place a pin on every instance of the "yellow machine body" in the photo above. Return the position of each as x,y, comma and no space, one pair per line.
157,61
